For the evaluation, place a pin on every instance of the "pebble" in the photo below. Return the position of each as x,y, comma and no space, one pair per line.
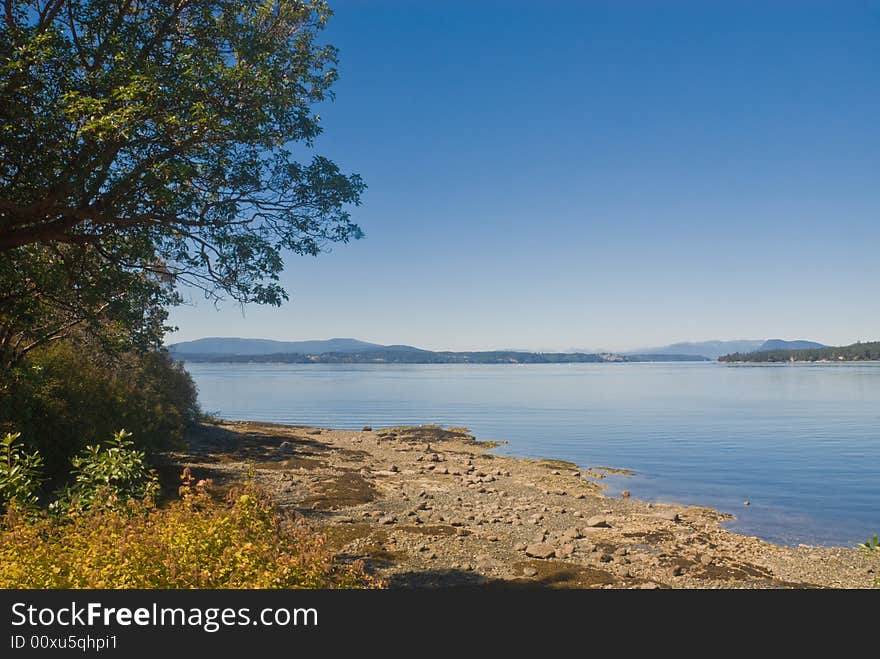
368,428
529,572
597,521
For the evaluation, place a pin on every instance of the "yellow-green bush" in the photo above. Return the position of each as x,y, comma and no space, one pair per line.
193,542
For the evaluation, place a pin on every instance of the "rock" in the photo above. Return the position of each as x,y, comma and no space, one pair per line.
648,585
368,428
529,572
393,468
747,503
604,558
625,494
706,559
540,550
285,447
675,571
519,546
597,521
387,519
566,550
572,534
668,515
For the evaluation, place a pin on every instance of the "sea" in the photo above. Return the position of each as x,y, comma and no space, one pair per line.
799,442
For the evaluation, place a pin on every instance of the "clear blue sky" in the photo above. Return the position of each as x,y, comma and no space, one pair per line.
550,175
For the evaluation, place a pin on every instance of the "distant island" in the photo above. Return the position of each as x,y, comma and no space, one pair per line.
353,351
856,352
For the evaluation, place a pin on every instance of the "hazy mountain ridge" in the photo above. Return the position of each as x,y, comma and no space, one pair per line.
710,349
237,346
781,344
381,356
347,350
716,349
353,351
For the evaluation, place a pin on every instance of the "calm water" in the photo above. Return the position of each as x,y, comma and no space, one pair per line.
801,443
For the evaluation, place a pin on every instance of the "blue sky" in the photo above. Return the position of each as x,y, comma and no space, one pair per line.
554,175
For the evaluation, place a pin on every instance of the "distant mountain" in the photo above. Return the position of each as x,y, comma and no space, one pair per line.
352,351
253,347
415,356
779,344
710,349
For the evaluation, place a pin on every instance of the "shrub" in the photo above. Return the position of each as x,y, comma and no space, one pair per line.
20,473
68,395
194,542
108,476
872,546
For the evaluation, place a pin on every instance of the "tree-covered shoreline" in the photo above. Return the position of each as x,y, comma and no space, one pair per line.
429,357
857,352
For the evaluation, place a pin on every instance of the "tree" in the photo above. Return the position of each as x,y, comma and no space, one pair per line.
50,292
146,144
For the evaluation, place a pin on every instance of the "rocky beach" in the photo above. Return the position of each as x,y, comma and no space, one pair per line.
427,506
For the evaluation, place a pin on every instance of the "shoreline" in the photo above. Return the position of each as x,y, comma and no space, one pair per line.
822,362
426,506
